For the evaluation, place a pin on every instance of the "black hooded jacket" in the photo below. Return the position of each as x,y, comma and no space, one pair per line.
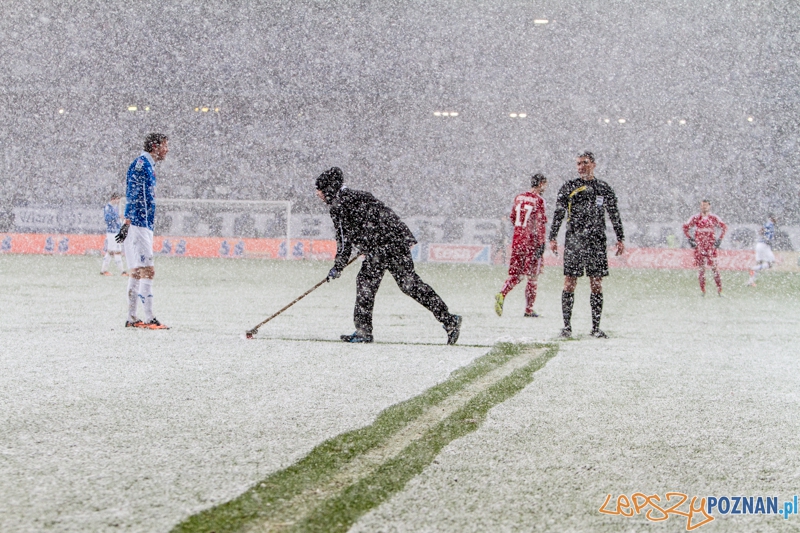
362,221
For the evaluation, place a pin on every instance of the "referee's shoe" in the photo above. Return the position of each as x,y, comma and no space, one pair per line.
598,334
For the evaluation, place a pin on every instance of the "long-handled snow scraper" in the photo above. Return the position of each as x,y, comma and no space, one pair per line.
249,333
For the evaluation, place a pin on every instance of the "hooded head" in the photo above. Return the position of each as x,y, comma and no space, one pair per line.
329,183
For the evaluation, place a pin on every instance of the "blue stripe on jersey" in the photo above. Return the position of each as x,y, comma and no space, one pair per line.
111,216
140,192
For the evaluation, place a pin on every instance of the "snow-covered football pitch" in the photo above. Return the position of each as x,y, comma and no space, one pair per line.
198,429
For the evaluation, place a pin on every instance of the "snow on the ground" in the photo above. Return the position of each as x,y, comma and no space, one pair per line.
106,428
698,396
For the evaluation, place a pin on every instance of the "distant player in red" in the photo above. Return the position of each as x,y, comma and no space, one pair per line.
705,243
529,219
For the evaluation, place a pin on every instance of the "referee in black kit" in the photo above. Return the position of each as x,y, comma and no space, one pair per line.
584,201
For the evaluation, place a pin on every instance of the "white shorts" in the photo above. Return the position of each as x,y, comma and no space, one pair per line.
111,244
139,247
764,253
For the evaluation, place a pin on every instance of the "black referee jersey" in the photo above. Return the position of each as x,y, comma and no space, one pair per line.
583,202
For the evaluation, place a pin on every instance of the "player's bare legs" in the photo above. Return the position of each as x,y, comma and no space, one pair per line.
144,272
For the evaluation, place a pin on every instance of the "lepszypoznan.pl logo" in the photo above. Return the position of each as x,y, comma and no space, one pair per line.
698,511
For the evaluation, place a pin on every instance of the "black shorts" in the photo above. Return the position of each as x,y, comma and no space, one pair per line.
585,254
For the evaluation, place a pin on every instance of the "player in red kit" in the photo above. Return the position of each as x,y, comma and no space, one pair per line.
529,219
705,243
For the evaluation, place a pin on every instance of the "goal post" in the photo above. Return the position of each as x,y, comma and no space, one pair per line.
259,219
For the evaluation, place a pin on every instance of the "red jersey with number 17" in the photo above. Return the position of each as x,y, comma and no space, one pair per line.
530,221
705,231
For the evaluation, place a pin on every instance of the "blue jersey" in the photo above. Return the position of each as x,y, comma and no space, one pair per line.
111,216
768,232
140,192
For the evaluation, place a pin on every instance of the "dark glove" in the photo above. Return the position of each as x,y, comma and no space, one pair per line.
539,251
717,243
334,273
692,243
123,232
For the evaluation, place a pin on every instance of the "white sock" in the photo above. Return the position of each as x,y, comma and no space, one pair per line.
133,296
106,261
146,296
118,261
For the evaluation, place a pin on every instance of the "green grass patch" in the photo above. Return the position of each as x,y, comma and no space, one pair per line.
278,498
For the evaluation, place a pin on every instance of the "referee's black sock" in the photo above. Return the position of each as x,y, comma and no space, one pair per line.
596,301
567,299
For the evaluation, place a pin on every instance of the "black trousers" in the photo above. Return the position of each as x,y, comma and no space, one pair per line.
399,263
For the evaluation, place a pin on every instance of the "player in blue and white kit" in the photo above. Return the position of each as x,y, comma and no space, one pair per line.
764,255
113,225
137,230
